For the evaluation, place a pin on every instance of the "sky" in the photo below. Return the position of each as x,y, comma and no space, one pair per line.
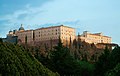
83,15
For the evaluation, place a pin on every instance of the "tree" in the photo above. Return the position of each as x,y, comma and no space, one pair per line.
115,57
16,61
102,65
62,62
115,71
1,41
65,64
26,39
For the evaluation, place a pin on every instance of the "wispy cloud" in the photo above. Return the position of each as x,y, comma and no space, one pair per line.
25,16
21,15
91,15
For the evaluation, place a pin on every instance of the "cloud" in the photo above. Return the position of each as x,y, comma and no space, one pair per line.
67,23
83,15
74,24
26,14
20,16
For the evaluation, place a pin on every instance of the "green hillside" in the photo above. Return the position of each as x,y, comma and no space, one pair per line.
16,61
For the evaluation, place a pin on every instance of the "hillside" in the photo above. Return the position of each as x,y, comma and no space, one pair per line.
16,61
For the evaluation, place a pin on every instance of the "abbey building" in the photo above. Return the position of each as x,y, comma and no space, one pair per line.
51,34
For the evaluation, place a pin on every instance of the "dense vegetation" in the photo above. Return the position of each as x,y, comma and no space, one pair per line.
17,61
109,63
61,60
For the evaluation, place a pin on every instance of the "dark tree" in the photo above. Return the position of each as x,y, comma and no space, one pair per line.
26,39
102,65
1,41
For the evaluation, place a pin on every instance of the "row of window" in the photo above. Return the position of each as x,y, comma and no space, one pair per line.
90,37
25,36
42,31
97,37
97,41
40,39
47,34
52,34
51,30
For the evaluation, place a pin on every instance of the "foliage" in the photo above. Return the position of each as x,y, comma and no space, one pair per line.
102,65
74,61
60,59
1,41
108,63
115,57
16,61
115,71
77,61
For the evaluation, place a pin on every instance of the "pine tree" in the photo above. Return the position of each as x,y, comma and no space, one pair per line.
26,39
102,65
1,41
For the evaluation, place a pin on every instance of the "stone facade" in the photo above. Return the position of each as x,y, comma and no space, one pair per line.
50,36
25,36
53,33
94,38
11,37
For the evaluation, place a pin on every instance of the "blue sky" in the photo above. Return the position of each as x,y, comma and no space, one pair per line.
91,15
